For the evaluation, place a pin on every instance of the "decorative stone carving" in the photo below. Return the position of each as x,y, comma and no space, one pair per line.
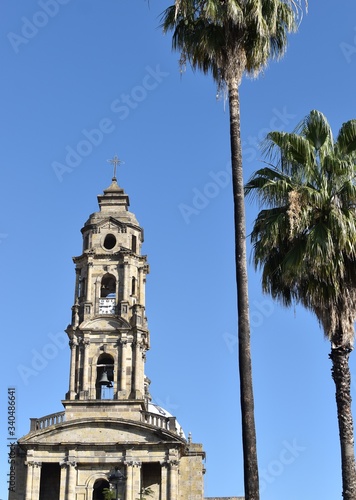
33,464
133,463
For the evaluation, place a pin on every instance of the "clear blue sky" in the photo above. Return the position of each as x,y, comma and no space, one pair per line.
103,72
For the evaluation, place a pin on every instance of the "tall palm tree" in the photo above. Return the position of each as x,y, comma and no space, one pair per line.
305,244
231,38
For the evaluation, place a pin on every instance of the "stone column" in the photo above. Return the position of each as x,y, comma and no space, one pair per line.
89,283
86,366
68,480
117,292
33,480
129,481
141,294
76,290
125,290
138,388
123,296
97,295
36,480
173,480
123,368
141,375
136,480
133,481
78,365
29,481
164,480
73,357
71,483
63,481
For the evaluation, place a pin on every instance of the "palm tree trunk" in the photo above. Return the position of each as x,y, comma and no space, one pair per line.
342,378
251,480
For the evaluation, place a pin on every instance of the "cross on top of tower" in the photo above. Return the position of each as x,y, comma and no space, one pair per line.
115,162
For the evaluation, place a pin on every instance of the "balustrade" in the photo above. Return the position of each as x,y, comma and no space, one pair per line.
44,422
167,423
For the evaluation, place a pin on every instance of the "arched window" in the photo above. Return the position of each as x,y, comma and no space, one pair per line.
133,243
105,377
108,285
133,286
82,287
86,242
99,486
107,300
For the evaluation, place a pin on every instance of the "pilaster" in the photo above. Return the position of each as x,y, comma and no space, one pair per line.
67,480
63,481
164,481
76,290
141,291
88,297
86,343
133,480
137,378
33,480
123,372
73,355
29,478
173,480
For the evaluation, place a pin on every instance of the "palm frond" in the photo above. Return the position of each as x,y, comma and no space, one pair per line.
305,241
346,140
288,151
230,37
316,129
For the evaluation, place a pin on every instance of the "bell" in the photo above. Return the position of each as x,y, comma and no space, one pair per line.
104,380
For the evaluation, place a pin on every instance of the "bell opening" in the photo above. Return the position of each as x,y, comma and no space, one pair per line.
105,377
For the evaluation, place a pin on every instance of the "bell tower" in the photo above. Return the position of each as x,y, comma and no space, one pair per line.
108,333
110,436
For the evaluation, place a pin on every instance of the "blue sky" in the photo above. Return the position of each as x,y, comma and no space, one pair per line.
83,80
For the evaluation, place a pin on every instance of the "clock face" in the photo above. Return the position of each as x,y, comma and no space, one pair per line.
107,306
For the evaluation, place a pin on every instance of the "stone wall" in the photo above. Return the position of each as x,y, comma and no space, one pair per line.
191,471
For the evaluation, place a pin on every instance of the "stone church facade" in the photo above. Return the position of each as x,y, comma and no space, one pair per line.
110,434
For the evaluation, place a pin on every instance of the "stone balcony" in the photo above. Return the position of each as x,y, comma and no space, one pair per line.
47,421
160,421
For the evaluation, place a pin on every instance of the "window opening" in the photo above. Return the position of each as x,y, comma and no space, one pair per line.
81,288
86,242
133,286
99,486
105,377
108,286
133,243
109,242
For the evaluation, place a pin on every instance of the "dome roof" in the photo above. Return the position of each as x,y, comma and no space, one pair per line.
158,410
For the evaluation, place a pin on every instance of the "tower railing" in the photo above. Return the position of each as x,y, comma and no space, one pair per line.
43,422
167,423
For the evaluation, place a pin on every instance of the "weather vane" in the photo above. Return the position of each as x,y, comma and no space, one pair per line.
115,162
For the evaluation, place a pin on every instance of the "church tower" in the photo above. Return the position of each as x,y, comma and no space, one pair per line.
110,435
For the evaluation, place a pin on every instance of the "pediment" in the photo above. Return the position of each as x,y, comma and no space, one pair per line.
98,431
111,223
105,324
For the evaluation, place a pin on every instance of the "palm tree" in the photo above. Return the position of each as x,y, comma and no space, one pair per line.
230,38
305,244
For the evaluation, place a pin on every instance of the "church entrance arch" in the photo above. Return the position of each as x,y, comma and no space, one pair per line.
99,486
